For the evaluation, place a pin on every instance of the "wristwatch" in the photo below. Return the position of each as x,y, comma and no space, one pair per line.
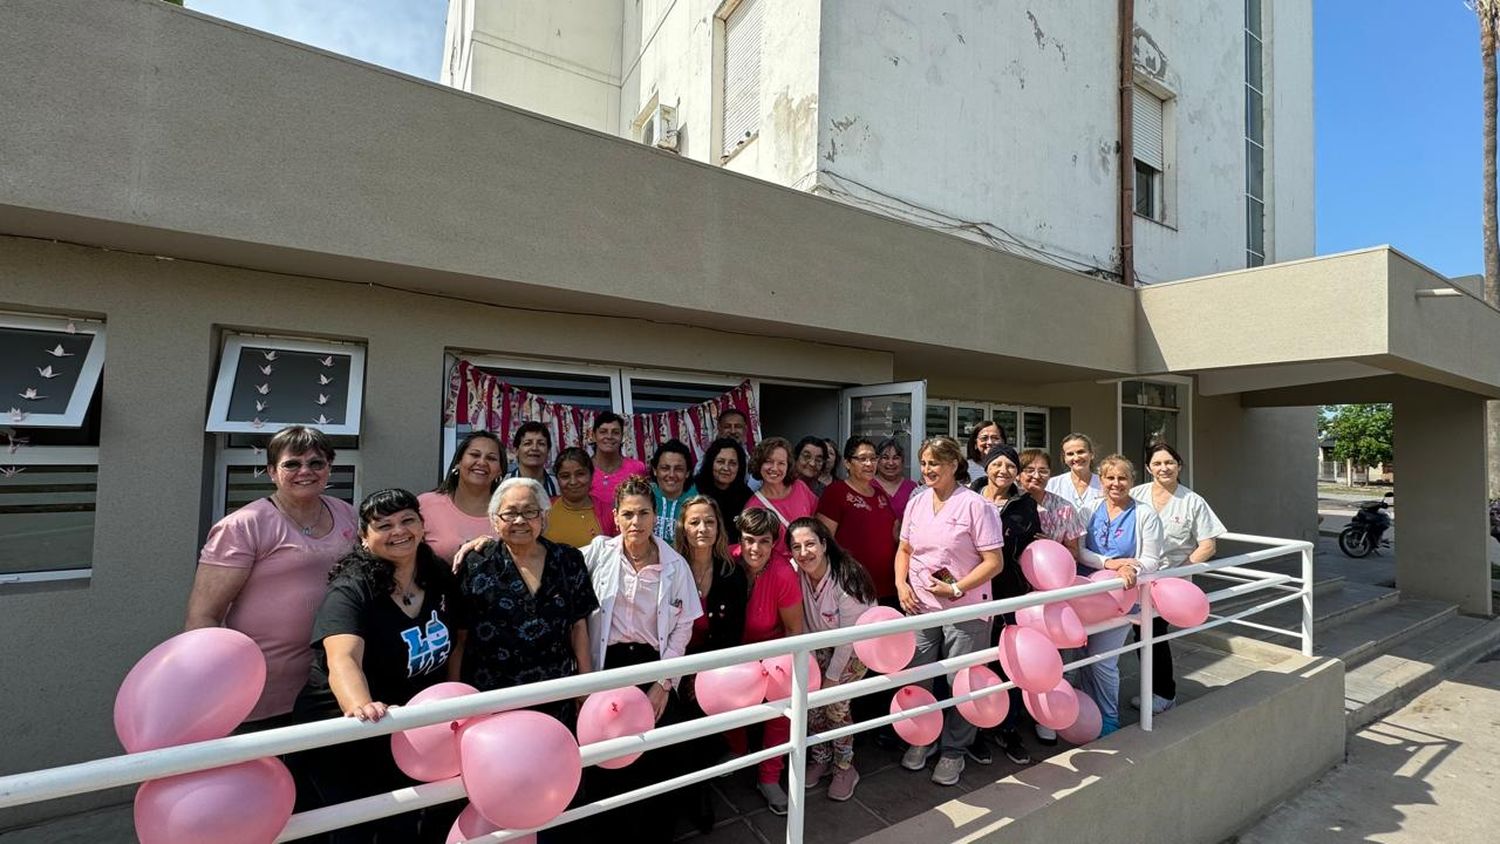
957,592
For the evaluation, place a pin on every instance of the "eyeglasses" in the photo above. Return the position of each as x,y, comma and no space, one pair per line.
863,458
1036,470
518,516
296,465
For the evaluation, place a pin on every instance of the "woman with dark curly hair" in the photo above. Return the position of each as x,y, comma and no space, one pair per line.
391,624
721,476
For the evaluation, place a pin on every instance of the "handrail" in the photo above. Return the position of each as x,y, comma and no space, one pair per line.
35,786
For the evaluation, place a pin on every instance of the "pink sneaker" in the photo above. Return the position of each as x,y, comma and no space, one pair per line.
816,771
844,781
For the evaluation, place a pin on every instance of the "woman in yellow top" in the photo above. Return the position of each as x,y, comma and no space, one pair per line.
575,518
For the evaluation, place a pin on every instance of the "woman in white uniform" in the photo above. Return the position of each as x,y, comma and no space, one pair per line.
1079,486
1190,528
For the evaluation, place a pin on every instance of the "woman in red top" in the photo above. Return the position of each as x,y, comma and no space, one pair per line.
774,611
858,514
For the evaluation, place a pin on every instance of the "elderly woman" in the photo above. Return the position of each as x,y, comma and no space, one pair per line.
671,466
576,516
949,552
809,460
457,511
890,473
390,625
723,591
836,591
647,604
983,437
1080,486
1127,539
530,599
774,611
858,513
1189,529
784,497
721,477
265,566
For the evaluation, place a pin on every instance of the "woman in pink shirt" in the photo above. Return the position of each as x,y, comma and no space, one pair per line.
458,510
774,611
611,466
786,498
950,550
264,568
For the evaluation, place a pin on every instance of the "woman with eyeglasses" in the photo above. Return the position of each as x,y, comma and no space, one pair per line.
264,568
457,511
530,599
985,436
890,473
1060,520
858,513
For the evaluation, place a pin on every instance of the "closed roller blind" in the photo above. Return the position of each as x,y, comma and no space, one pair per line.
741,73
1147,125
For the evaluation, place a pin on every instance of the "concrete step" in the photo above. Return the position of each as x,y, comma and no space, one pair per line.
1353,624
1388,681
1361,639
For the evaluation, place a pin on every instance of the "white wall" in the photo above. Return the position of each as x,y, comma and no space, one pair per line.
1289,47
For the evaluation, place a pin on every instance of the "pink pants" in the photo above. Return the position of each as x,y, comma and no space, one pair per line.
776,732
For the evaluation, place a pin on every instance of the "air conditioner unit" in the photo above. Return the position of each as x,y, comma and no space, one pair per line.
659,129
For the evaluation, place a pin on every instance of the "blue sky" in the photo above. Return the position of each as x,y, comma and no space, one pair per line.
1397,102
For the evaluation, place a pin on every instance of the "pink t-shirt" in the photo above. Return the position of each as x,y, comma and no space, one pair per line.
636,606
288,577
603,489
953,537
777,587
448,527
798,502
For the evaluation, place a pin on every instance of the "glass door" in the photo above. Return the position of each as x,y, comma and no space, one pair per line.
887,410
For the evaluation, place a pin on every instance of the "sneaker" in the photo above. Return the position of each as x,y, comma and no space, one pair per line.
775,797
979,751
1159,704
1046,735
1110,724
844,781
816,771
916,756
948,770
1015,751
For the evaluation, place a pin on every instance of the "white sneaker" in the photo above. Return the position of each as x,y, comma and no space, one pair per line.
1159,704
948,770
1046,735
916,756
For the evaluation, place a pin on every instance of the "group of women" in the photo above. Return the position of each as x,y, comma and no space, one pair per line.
500,579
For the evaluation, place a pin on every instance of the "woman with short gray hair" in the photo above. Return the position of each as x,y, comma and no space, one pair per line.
529,599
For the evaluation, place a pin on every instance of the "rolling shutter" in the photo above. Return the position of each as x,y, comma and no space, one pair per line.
741,74
1147,124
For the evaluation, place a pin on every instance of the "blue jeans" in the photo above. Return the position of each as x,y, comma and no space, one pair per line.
1101,680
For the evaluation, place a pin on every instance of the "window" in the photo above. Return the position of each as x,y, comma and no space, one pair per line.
1148,123
650,395
1034,429
939,419
51,369
740,97
1255,137
1024,426
1151,411
267,383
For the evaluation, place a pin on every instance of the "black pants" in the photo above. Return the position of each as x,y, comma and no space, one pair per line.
1163,681
653,819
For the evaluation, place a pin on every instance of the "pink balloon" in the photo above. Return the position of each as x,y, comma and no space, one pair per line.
1048,565
430,753
986,711
247,803
779,676
1092,609
731,687
1087,726
471,824
1124,598
885,654
1056,708
195,686
1029,658
1057,621
520,768
1179,602
917,730
615,713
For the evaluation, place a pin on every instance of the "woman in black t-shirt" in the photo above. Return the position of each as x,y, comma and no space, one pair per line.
391,624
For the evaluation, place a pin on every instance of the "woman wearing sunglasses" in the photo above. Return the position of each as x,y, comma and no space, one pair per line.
264,568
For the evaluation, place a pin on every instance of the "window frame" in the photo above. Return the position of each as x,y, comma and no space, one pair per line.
225,457
229,359
89,372
1186,388
990,410
727,10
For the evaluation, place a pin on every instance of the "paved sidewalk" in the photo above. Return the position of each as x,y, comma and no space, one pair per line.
1426,773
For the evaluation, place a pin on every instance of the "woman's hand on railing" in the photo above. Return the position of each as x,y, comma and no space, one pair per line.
372,711
1126,567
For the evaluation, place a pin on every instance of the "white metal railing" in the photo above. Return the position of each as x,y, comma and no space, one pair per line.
36,786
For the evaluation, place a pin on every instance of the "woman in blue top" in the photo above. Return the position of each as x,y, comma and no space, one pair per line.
670,467
1125,538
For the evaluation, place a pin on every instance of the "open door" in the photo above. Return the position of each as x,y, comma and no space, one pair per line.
887,410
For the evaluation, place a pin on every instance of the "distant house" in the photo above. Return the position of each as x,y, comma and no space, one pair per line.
1347,472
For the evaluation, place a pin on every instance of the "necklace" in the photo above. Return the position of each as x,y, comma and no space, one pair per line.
307,530
408,592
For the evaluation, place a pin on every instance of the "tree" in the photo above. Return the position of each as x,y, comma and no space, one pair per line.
1361,433
1488,13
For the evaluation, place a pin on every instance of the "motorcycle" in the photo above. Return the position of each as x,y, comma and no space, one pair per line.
1366,530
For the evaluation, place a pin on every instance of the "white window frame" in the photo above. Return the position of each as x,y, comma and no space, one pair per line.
989,409
234,343
225,457
88,374
1184,418
53,455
